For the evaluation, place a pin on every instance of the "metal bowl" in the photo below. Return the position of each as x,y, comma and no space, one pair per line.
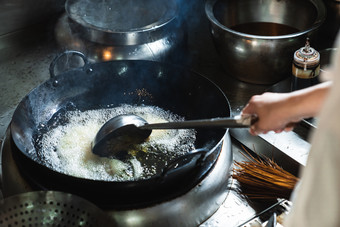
251,52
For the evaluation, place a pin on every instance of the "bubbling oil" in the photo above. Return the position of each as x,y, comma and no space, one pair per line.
66,147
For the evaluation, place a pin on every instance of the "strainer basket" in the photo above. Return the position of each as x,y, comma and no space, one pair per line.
50,208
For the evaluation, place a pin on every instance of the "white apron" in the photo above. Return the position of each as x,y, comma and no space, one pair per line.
316,201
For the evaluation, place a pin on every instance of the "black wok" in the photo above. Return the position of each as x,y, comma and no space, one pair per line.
112,83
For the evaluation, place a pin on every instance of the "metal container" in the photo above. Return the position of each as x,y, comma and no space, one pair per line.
121,22
124,29
253,54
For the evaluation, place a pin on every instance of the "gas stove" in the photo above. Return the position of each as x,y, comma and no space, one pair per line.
24,68
226,207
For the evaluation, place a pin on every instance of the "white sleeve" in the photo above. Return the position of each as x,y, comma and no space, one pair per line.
317,199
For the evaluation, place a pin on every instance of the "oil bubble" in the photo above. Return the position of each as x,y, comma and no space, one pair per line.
55,83
89,70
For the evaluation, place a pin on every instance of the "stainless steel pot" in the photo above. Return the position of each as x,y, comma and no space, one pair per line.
121,22
262,58
115,30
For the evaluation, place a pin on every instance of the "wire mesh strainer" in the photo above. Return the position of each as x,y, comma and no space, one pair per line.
50,208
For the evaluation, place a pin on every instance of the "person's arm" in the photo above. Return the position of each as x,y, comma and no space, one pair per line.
276,111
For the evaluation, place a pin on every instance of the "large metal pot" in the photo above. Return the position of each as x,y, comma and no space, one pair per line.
123,29
112,83
122,22
260,56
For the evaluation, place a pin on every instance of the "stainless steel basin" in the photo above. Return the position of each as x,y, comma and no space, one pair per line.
256,39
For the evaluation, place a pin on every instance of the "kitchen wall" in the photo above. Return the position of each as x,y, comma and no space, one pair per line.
20,14
23,22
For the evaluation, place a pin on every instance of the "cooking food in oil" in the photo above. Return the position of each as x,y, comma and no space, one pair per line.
66,145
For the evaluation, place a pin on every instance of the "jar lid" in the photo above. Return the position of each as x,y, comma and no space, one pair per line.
307,55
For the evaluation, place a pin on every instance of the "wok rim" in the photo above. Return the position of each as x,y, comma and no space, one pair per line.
21,148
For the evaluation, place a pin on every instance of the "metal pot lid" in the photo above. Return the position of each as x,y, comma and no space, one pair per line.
121,15
122,22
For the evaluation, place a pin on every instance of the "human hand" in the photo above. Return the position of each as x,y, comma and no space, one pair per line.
274,111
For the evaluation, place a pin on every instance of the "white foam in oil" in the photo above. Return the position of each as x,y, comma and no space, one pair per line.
67,148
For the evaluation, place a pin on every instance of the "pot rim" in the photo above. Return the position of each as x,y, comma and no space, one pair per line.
321,15
169,16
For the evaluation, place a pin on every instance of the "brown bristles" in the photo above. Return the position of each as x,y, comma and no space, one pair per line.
263,179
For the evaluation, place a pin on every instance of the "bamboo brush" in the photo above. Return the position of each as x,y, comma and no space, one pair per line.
263,179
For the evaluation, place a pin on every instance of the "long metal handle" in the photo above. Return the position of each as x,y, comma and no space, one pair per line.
239,121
